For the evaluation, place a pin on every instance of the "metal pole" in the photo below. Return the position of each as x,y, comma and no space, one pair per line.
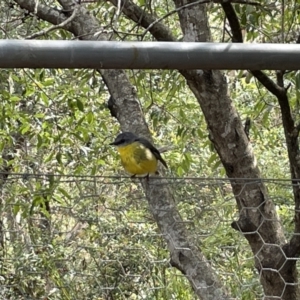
147,55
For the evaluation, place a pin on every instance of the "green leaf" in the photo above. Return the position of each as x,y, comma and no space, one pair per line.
180,171
90,117
65,193
49,81
212,159
16,209
51,179
45,98
94,170
79,105
14,98
58,157
40,141
25,128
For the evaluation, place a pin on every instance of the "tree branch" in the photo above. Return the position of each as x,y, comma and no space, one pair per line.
292,249
54,27
268,83
176,10
44,12
138,15
276,89
234,23
237,37
152,24
240,2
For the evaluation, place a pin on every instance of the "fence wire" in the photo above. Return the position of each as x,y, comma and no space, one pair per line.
84,237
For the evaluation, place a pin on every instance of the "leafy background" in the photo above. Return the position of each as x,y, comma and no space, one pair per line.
98,240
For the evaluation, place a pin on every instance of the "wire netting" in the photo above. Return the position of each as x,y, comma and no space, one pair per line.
84,237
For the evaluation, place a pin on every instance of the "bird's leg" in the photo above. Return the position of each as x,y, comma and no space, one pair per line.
133,176
147,177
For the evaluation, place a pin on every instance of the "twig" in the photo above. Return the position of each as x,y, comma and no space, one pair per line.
247,127
241,2
54,27
166,149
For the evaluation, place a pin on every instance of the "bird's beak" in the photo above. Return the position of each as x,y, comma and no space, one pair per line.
113,143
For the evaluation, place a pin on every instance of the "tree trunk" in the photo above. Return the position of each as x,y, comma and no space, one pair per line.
258,218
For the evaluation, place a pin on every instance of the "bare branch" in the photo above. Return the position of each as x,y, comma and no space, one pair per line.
138,15
52,15
75,231
240,2
54,27
279,76
268,83
247,127
166,149
237,37
234,23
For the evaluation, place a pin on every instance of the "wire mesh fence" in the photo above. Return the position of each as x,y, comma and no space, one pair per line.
82,237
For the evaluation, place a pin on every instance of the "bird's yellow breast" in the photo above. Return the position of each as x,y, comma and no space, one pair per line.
137,159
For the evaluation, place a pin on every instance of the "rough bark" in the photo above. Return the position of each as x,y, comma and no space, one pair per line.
258,219
124,105
292,248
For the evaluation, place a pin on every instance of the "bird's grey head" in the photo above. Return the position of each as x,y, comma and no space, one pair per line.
124,138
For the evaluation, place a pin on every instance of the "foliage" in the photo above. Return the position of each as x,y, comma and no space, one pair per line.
57,122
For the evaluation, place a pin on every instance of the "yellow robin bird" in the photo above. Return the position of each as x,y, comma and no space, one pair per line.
138,155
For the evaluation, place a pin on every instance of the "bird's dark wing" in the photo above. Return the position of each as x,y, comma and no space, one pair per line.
155,152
